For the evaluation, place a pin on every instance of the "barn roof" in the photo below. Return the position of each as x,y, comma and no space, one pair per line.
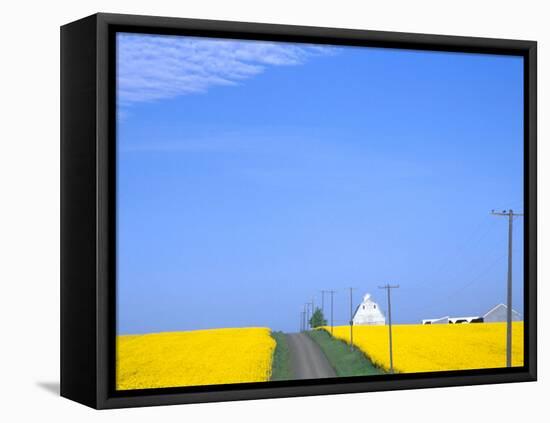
501,305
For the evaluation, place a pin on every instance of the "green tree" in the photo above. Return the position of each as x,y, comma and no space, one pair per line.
317,319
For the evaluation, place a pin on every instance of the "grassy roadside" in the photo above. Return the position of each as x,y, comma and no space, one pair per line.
344,361
281,358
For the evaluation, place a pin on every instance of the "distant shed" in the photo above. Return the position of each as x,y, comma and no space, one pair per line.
441,320
498,314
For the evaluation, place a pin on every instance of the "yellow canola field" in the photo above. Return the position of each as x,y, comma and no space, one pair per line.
201,357
425,348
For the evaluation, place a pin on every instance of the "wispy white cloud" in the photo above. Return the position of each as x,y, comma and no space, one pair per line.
154,67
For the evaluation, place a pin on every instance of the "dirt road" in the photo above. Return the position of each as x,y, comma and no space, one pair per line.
307,361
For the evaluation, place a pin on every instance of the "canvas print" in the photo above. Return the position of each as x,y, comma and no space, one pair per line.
290,211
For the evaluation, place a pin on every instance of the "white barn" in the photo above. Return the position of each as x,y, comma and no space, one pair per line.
368,313
498,314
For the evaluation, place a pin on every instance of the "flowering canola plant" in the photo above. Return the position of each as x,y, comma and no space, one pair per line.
427,348
201,357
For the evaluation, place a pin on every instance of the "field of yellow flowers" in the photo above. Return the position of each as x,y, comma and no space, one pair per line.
425,348
201,357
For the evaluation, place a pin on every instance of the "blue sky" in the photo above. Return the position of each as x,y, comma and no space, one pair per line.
252,175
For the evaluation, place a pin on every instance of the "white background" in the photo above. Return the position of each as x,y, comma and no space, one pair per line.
29,214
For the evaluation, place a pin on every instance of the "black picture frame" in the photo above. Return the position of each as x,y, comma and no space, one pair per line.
88,212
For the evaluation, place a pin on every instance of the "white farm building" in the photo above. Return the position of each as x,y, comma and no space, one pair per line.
449,319
368,313
496,314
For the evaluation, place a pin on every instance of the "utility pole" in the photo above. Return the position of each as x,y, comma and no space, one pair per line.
323,301
302,321
312,309
331,292
510,213
306,314
351,317
310,315
388,288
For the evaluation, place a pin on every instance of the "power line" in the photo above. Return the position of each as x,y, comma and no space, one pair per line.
476,278
454,277
459,253
512,205
510,214
323,301
388,288
444,270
